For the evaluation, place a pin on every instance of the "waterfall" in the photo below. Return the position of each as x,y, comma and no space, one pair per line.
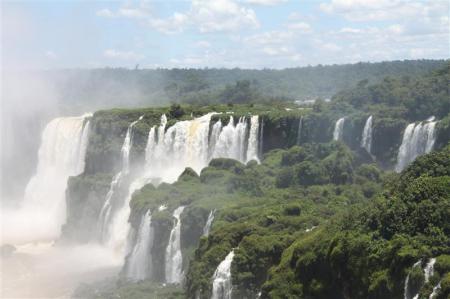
435,291
339,129
216,129
231,141
407,292
222,286
139,263
61,155
174,258
191,143
429,269
418,139
208,223
366,141
252,148
105,213
299,130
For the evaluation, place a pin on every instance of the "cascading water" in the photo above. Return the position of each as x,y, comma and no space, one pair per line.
339,129
61,155
215,133
418,139
299,130
428,272
231,142
429,269
366,140
208,223
253,138
435,291
407,291
174,259
105,213
222,287
139,262
168,152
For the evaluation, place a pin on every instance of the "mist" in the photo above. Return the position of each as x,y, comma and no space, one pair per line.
76,202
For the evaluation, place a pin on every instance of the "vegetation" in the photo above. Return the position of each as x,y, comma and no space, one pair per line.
316,219
106,88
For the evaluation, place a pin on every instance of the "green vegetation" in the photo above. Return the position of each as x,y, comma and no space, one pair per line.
254,213
106,88
317,219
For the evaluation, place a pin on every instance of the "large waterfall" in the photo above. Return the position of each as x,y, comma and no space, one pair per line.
339,129
253,148
139,263
61,155
174,259
222,287
105,213
208,223
366,140
190,143
418,139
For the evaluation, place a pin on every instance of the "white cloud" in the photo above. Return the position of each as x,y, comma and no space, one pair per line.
300,26
105,13
126,11
270,38
265,2
204,15
221,15
174,24
123,55
382,10
350,30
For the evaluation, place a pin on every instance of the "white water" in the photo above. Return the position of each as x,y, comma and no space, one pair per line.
231,142
407,291
39,268
174,258
139,263
418,139
253,138
43,209
222,287
169,152
299,131
366,141
339,129
105,213
214,137
208,223
436,290
429,269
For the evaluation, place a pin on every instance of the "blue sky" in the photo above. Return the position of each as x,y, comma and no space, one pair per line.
220,33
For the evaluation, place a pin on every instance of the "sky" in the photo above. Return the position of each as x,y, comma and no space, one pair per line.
220,33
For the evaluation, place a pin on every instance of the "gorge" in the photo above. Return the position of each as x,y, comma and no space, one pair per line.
246,201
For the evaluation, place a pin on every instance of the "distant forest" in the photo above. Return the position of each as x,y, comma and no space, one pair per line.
119,87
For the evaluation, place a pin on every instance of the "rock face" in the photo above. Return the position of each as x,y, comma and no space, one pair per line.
108,129
176,236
